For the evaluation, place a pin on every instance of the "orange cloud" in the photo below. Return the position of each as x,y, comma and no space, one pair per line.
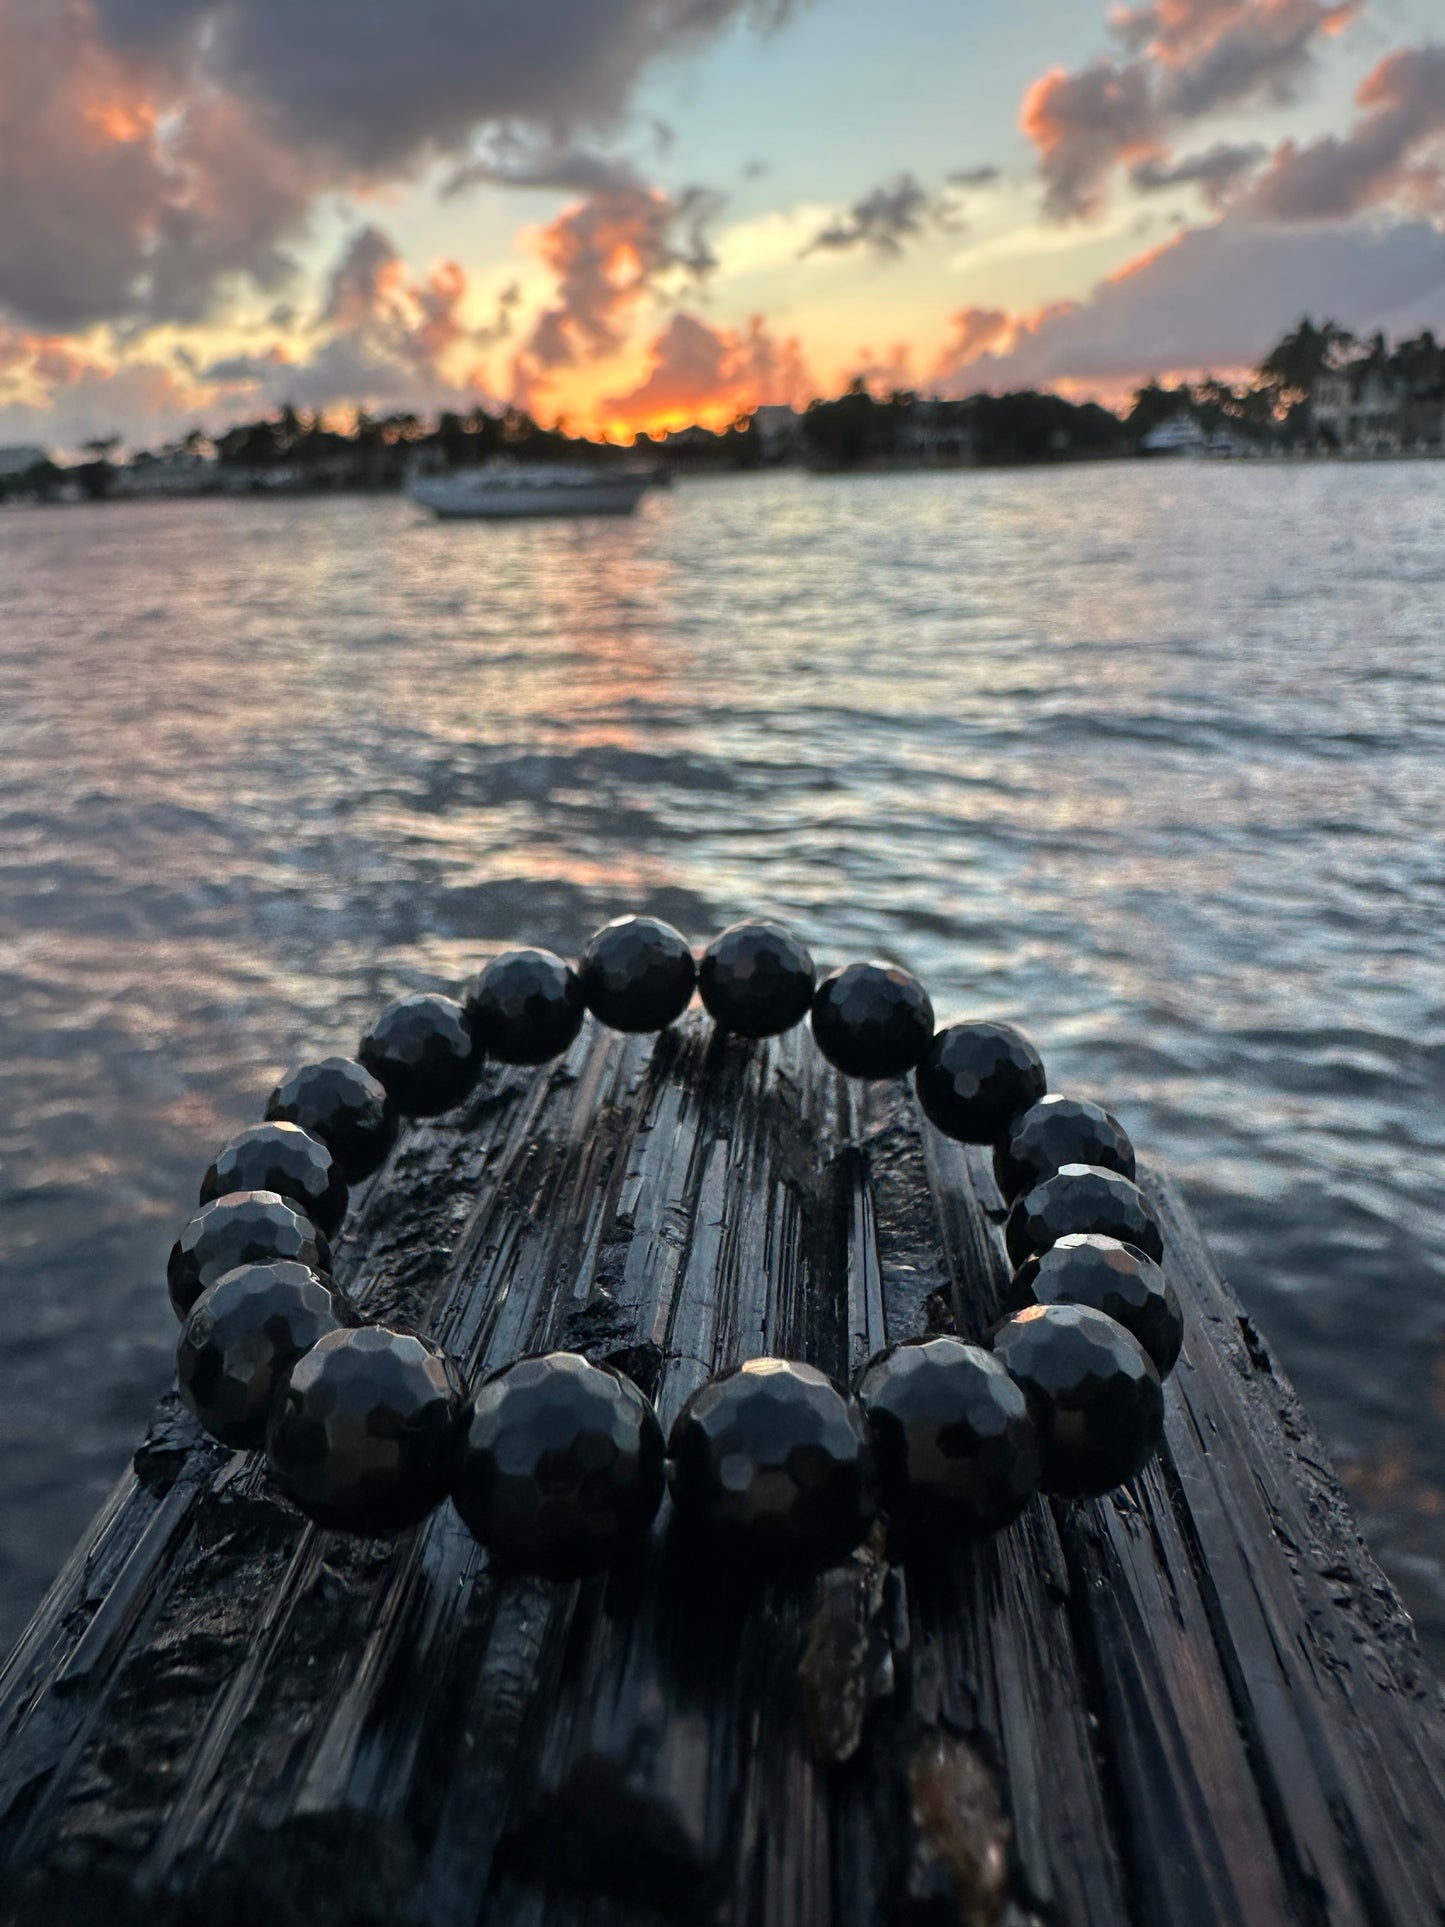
1086,124
129,193
1139,262
1392,152
979,331
710,375
123,121
1186,59
608,253
33,365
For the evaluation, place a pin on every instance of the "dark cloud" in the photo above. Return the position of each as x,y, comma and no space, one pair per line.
378,83
1214,299
240,371
1218,170
1260,50
122,197
1084,125
1186,59
887,217
154,152
882,219
517,157
1393,150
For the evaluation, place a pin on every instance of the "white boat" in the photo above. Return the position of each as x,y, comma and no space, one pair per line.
535,488
1180,435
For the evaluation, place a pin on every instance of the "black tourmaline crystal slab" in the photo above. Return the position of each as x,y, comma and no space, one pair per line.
339,1101
975,1079
1114,1278
561,1467
365,1434
1059,1131
287,1160
526,1007
756,980
872,1020
422,1050
243,1336
638,974
1094,1390
247,1228
956,1444
1082,1198
771,1464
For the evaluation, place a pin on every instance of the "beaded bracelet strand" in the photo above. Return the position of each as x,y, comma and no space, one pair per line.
558,1465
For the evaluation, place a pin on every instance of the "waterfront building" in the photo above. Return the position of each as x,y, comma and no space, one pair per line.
21,459
1365,410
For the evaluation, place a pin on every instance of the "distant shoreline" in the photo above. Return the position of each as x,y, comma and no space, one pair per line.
1273,458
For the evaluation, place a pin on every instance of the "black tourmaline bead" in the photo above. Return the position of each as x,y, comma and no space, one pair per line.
247,1228
561,1466
243,1336
757,980
1081,1198
872,1020
365,1434
1114,1278
956,1444
772,1464
1056,1132
1094,1391
287,1160
975,1079
422,1050
638,974
526,1007
339,1101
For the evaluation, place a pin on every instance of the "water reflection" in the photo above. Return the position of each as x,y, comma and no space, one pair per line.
1149,758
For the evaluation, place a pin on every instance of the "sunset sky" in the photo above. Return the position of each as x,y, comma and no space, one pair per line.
634,213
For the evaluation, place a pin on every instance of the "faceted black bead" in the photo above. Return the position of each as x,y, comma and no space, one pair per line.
287,1160
872,1020
422,1050
1094,1390
561,1466
773,1463
365,1435
339,1101
956,1443
975,1079
243,1336
638,974
526,1007
1113,1278
246,1228
757,980
1056,1132
1082,1198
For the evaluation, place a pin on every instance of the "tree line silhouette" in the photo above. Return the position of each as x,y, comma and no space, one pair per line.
856,429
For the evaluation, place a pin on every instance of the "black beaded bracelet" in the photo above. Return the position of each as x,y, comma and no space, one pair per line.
557,1465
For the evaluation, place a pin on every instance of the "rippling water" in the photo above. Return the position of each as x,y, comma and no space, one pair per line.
1149,758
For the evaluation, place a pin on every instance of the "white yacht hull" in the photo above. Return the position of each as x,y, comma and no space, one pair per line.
491,498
